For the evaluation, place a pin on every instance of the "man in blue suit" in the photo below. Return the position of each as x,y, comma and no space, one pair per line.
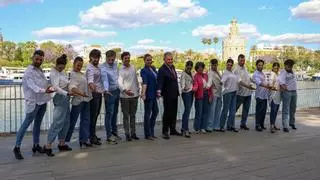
169,90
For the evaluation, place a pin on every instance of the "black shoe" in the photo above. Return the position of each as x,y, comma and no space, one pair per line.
293,126
128,138
64,148
244,127
95,136
87,144
149,138
186,134
263,128
175,133
259,129
95,141
48,151
116,136
222,130
208,131
135,137
232,130
165,136
285,130
17,153
37,148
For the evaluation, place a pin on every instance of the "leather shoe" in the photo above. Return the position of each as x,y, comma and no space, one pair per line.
165,136
293,126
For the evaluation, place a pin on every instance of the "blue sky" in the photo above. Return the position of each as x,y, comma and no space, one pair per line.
138,25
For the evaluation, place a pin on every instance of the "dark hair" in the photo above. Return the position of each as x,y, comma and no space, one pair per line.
199,65
111,53
126,53
259,61
78,58
38,52
275,64
289,62
241,56
213,61
145,56
166,54
95,53
230,61
62,60
189,63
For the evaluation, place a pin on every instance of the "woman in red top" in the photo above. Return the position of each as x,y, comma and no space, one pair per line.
202,98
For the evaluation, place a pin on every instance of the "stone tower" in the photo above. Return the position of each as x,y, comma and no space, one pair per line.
233,44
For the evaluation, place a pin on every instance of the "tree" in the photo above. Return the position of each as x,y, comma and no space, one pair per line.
118,52
18,54
9,48
70,52
215,41
27,50
52,51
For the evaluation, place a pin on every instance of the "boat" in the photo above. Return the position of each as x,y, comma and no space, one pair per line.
316,77
13,76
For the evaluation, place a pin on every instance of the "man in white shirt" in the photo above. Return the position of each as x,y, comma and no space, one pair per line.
36,93
243,94
93,74
129,93
288,87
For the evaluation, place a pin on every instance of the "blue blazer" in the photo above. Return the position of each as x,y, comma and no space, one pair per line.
168,83
149,78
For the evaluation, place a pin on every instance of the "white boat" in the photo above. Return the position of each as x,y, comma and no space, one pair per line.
316,76
12,75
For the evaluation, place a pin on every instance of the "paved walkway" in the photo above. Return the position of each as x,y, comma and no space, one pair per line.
245,155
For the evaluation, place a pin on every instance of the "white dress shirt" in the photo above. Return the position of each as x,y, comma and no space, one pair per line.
78,80
93,74
214,80
128,81
230,82
186,82
244,76
34,85
59,81
260,78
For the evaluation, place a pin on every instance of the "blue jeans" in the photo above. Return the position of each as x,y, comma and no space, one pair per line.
202,111
151,111
61,118
36,115
261,110
289,105
229,106
111,109
273,112
187,102
246,101
214,115
83,109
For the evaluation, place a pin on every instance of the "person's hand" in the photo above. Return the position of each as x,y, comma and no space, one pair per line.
143,96
50,89
129,92
210,100
73,94
92,87
108,93
158,93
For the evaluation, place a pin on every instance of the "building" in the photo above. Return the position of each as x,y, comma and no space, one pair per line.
268,53
233,44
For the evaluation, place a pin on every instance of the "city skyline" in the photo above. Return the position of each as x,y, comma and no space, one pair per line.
139,25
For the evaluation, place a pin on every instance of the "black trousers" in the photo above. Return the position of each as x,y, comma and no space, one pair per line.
261,110
95,107
169,118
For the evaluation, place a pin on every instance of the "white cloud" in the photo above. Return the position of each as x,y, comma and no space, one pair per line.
220,31
291,38
307,10
146,41
264,7
77,45
71,32
7,2
137,13
139,49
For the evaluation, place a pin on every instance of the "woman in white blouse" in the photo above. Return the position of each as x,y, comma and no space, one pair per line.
80,104
61,111
275,97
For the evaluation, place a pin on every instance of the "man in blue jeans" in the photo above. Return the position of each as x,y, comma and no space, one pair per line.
288,87
36,91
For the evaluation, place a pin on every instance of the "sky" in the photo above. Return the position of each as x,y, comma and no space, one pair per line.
140,25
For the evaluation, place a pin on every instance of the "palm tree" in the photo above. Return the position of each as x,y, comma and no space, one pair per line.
215,41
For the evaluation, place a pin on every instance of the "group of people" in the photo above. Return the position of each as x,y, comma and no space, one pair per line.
217,98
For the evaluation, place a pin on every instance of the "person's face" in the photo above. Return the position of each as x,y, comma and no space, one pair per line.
260,66
288,67
188,68
60,67
94,60
126,60
275,69
37,60
229,66
168,60
110,60
148,61
214,67
242,61
200,69
77,66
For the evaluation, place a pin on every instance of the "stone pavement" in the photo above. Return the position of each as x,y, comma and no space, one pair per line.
246,155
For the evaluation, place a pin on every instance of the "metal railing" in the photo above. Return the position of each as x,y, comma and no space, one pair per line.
12,107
